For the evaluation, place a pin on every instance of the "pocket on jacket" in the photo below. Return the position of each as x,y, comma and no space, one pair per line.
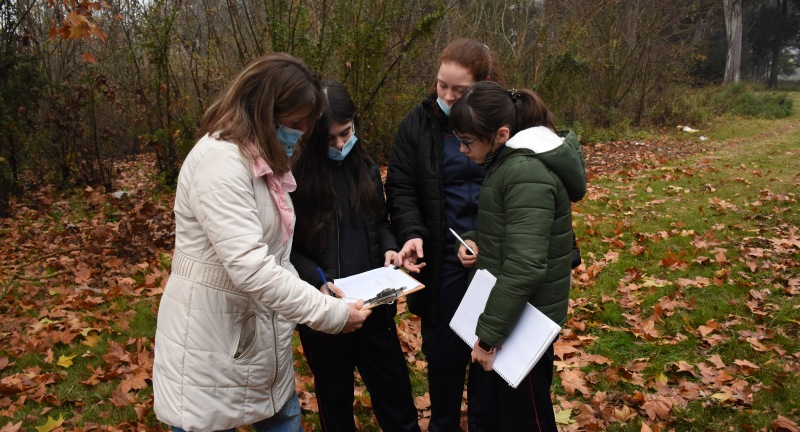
247,336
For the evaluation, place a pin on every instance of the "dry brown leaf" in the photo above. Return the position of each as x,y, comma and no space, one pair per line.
9,427
572,380
783,424
657,406
624,413
716,360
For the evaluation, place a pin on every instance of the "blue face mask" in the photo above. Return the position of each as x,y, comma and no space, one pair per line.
445,108
336,154
288,137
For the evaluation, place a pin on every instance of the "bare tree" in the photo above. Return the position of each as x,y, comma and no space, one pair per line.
733,28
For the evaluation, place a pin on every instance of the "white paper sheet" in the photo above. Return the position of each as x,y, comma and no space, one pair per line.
367,285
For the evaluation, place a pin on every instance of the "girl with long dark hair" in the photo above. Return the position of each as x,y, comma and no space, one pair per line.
342,230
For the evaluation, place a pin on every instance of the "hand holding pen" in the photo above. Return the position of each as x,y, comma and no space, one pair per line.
467,251
356,317
327,287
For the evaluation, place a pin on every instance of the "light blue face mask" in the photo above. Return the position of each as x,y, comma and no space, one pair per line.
288,137
339,155
445,108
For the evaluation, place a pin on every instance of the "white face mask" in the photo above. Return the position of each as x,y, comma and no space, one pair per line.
288,137
338,155
445,108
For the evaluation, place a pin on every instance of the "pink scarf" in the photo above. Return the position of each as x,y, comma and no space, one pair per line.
278,186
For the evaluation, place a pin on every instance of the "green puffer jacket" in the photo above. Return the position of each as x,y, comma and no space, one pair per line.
524,232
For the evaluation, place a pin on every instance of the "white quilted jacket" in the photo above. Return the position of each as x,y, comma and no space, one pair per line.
223,354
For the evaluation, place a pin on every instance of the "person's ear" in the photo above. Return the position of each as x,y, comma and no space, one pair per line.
503,134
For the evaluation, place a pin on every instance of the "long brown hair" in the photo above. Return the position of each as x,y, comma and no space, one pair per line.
269,87
486,106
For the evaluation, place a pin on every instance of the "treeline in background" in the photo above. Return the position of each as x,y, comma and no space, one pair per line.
88,83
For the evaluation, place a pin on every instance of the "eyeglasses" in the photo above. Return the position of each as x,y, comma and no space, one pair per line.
466,143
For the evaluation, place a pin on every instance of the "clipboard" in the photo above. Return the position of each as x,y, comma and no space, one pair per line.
383,285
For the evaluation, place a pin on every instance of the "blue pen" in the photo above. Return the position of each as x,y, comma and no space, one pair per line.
325,281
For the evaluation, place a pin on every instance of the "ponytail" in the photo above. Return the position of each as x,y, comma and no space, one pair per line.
486,106
531,110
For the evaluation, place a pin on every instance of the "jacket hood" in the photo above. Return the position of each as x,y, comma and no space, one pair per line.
561,154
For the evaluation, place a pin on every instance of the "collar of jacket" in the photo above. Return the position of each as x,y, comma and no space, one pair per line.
502,155
434,112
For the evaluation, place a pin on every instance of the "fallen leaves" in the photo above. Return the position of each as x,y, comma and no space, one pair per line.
59,303
64,293
658,303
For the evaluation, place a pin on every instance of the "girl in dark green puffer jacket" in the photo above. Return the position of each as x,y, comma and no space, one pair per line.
524,237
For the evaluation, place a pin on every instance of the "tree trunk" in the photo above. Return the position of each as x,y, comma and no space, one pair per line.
733,28
777,45
6,186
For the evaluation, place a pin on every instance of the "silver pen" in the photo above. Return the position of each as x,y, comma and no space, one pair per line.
472,252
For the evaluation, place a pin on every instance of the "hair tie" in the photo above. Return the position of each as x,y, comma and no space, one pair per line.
515,96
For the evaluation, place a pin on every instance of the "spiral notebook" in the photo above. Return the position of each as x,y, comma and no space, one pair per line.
524,346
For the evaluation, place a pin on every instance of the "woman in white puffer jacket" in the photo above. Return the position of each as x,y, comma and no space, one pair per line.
223,353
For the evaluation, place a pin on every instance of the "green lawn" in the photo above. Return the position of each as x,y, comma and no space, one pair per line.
685,315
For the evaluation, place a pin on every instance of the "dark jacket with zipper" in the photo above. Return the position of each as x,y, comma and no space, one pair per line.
377,233
357,243
415,193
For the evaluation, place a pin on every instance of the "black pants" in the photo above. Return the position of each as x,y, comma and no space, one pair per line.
446,353
504,408
375,350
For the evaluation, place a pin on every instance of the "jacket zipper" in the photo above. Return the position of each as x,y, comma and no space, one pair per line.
472,204
338,248
243,345
275,343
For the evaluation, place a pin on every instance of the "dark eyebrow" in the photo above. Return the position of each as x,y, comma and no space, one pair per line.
347,129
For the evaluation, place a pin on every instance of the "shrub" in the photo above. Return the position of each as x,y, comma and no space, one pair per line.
764,105
698,106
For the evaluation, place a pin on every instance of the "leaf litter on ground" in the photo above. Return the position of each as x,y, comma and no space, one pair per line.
75,262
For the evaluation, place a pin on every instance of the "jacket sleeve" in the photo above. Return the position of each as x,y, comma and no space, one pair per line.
401,184
528,197
224,204
385,235
307,267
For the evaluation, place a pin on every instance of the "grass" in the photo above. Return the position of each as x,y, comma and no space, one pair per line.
714,215
695,245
